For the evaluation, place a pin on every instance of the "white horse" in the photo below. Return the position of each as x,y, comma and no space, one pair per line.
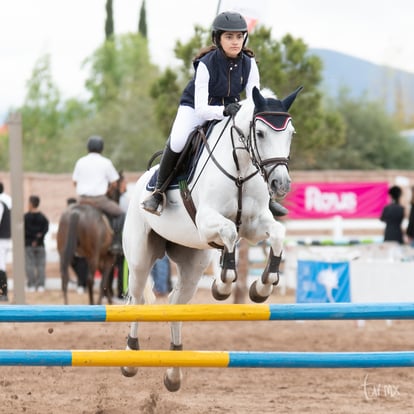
243,165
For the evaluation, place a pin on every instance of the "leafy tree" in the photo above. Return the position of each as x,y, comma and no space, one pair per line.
283,66
372,138
124,117
109,22
42,121
4,150
142,24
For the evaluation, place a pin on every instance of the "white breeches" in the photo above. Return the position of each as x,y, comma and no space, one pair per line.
185,122
5,245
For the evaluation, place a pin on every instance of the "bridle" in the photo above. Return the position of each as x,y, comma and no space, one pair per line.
262,165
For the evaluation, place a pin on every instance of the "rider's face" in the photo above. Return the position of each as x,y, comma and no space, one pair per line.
232,43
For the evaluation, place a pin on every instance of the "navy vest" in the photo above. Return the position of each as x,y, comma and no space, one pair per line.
5,223
228,78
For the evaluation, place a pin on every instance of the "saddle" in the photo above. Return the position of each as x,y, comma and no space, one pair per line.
187,162
184,171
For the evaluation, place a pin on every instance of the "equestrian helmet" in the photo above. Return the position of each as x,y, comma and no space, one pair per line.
95,144
227,22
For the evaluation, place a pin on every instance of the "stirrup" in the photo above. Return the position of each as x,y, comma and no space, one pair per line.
155,203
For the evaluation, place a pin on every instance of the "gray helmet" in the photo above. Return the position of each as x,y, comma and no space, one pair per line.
227,22
95,144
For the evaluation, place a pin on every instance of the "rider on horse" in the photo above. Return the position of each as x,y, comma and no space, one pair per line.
93,175
222,72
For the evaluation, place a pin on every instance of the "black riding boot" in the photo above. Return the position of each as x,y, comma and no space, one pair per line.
3,286
153,204
117,224
277,209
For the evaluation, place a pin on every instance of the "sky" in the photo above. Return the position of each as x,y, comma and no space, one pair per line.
379,31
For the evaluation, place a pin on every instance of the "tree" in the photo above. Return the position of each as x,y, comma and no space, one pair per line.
109,22
142,23
284,65
124,111
42,120
372,139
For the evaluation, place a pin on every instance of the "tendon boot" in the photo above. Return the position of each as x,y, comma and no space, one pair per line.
117,224
3,286
277,209
153,204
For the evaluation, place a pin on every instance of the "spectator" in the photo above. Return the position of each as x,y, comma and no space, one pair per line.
36,225
161,274
410,227
5,235
393,215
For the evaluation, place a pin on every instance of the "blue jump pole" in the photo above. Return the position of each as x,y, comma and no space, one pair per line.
214,359
198,312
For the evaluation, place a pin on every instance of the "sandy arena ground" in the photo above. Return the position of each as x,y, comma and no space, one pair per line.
72,390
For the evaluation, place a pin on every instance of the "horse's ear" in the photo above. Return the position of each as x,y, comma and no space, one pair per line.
288,101
258,99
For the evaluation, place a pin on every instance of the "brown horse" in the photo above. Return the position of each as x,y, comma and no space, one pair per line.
84,231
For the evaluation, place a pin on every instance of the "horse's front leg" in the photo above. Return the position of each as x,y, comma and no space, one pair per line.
213,227
222,285
262,288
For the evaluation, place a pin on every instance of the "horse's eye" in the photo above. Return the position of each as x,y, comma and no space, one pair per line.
259,134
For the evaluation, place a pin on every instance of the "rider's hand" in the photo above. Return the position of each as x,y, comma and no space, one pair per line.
231,109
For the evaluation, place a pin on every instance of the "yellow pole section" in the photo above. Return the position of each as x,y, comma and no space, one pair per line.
198,312
91,358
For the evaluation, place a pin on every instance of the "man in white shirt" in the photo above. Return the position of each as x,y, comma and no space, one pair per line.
93,175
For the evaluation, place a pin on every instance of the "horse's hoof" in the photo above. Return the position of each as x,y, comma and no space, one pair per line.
171,386
129,371
254,296
216,294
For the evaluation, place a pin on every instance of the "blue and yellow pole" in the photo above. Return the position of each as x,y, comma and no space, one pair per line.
200,312
212,359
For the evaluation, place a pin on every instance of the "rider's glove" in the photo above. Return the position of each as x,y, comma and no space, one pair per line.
231,109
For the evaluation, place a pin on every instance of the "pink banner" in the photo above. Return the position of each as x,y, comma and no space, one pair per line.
348,200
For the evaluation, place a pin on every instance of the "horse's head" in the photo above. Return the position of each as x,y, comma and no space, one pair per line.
271,138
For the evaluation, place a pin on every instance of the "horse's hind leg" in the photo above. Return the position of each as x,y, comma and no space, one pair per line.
191,264
141,255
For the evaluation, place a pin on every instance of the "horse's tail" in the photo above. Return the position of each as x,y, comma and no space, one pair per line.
149,297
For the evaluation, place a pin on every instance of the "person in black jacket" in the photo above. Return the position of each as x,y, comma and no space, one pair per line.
393,215
5,239
36,225
410,227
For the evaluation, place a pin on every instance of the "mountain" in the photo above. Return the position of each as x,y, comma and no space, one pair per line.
363,78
